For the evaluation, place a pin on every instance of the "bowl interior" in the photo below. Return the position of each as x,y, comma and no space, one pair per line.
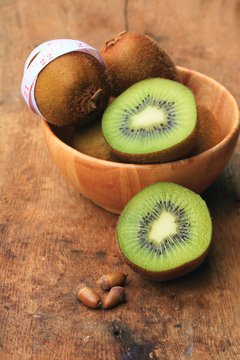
216,115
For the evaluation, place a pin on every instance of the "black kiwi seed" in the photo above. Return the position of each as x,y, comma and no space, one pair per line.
180,218
163,104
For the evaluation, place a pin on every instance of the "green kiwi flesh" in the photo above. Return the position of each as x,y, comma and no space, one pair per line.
72,90
152,121
164,231
131,57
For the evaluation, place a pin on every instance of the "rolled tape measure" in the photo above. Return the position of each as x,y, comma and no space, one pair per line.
44,54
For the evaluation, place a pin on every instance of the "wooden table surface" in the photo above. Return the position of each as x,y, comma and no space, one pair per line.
52,237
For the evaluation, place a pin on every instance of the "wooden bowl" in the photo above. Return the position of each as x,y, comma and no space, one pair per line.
111,184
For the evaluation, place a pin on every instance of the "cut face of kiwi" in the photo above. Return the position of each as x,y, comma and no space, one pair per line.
152,121
164,231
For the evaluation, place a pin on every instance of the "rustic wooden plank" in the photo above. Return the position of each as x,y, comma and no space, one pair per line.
52,237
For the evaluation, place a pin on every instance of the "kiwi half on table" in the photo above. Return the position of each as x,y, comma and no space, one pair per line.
164,231
152,121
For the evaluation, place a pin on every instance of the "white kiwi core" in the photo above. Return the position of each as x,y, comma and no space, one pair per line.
163,227
149,117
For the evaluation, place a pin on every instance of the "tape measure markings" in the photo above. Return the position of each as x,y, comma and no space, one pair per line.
45,53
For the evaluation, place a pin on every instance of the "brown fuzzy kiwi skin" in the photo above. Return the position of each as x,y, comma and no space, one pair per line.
209,133
72,90
168,274
131,57
178,151
89,140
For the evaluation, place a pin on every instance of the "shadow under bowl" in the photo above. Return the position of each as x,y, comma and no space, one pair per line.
112,184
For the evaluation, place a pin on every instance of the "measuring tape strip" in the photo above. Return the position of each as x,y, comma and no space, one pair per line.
45,53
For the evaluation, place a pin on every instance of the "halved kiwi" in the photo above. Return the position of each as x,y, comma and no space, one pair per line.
72,89
164,231
131,57
152,121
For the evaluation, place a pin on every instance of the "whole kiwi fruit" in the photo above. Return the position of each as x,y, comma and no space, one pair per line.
131,57
164,231
89,140
209,131
72,89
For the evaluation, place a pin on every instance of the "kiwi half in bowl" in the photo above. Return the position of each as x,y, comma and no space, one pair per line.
152,121
164,231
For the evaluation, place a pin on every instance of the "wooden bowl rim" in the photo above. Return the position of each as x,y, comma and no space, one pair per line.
234,129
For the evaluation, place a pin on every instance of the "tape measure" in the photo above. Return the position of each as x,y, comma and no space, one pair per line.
44,54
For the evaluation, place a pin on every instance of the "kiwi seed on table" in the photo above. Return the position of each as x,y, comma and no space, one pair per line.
164,231
131,57
155,120
72,89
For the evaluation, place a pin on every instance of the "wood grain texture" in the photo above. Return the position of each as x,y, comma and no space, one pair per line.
52,237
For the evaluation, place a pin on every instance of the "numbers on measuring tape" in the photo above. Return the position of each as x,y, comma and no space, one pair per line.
46,53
